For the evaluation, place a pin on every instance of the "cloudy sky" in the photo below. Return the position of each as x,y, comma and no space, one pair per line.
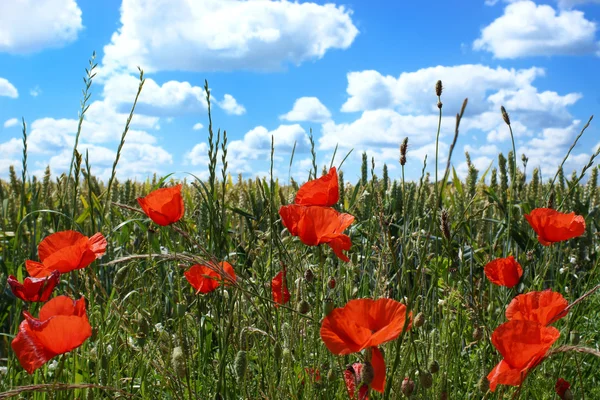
360,74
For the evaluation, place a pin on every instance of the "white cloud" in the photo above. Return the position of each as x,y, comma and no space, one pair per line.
214,35
382,128
548,149
11,122
33,25
7,88
307,109
485,150
414,92
230,105
481,163
526,29
170,98
36,91
197,126
198,155
13,146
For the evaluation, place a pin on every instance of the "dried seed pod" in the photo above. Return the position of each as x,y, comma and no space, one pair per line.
434,367
303,307
426,379
419,320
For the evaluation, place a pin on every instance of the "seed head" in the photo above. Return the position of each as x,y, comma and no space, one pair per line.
367,373
309,276
240,364
426,379
438,88
419,320
403,149
505,115
483,385
551,199
434,367
178,361
478,333
445,223
303,307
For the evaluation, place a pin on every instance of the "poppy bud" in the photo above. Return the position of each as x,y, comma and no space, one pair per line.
303,307
178,362
309,276
434,367
328,307
426,379
240,364
483,384
419,320
367,373
439,104
444,395
407,387
478,333
568,395
331,282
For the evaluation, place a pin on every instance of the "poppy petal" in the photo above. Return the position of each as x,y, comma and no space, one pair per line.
164,206
504,271
523,343
97,244
29,350
202,278
323,191
34,289
279,289
378,364
56,242
504,374
553,226
544,307
384,318
342,335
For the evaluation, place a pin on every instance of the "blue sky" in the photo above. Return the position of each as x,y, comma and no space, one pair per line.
360,74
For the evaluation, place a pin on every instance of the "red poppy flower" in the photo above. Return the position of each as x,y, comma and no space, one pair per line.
361,324
504,271
561,387
352,377
523,344
34,289
163,206
323,191
66,251
279,290
62,326
544,307
553,226
206,279
315,225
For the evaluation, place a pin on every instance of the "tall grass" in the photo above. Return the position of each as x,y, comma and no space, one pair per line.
424,243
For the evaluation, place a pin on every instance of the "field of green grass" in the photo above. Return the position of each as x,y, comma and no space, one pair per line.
422,243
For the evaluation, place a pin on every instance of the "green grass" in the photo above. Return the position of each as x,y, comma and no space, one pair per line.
153,338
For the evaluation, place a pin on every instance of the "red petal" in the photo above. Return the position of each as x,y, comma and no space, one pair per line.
56,242
202,278
323,191
523,343
34,289
544,307
29,350
504,374
553,226
164,206
504,271
378,364
279,290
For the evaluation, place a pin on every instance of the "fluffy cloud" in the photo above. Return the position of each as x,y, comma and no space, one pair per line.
197,126
225,34
33,25
526,29
7,89
230,105
11,122
414,92
307,109
255,146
